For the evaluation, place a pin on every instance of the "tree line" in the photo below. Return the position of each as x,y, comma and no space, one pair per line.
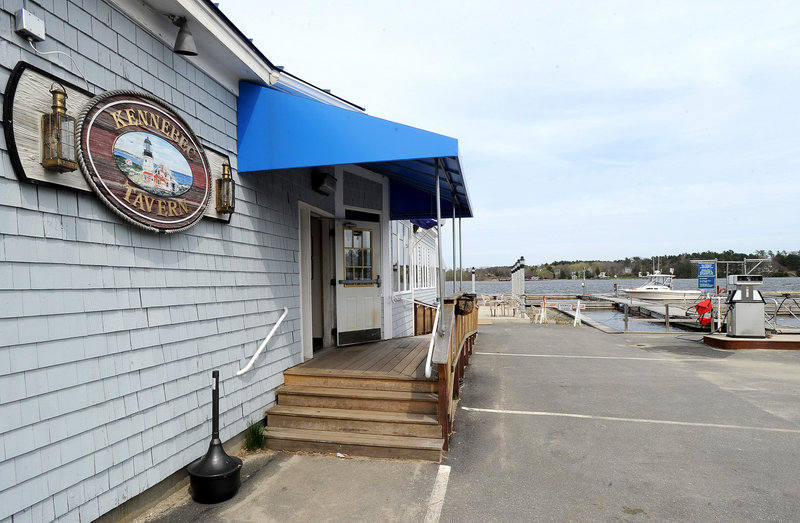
780,263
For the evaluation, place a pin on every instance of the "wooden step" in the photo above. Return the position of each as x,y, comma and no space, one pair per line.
362,399
370,445
359,421
353,380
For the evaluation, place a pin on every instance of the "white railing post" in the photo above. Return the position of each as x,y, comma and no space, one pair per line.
433,339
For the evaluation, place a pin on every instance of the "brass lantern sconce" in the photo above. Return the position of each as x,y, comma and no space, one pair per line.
226,190
58,135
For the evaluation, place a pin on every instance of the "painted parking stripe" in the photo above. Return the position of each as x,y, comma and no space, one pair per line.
632,420
437,495
566,356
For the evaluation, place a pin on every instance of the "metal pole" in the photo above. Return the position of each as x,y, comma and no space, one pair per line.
440,285
413,276
666,315
215,405
626,316
460,259
454,247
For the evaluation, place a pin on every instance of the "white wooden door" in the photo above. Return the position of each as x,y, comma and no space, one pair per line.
359,288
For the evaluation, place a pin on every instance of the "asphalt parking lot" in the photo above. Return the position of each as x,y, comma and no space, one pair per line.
571,425
558,423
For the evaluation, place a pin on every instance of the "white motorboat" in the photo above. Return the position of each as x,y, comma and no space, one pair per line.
659,287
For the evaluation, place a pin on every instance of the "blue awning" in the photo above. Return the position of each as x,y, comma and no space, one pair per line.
424,224
281,131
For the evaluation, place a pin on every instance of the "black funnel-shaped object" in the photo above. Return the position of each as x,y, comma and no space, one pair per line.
216,476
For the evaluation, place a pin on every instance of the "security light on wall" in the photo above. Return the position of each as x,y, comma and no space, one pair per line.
323,183
184,42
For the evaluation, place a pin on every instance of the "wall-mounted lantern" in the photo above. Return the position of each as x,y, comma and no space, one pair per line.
226,190
58,135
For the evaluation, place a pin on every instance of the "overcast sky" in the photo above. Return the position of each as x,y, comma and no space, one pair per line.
587,130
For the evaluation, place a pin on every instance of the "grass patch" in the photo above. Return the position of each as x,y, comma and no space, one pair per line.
255,438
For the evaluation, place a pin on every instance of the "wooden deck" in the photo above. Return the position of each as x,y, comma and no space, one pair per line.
398,359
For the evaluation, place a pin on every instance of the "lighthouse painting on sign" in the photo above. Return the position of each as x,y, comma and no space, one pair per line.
153,164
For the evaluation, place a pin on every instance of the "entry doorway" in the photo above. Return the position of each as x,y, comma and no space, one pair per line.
317,281
359,294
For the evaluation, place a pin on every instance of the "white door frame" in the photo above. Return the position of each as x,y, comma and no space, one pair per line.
306,303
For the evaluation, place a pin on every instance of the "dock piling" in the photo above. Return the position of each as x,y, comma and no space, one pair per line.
625,306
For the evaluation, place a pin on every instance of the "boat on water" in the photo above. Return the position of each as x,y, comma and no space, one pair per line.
659,287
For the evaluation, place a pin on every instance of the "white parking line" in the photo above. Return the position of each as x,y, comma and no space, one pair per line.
633,420
437,495
565,356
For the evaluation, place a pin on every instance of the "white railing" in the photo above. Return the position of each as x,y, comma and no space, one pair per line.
433,338
264,343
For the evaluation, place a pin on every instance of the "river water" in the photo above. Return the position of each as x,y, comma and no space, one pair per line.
613,318
606,286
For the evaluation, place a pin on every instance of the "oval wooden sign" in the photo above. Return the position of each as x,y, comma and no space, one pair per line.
143,161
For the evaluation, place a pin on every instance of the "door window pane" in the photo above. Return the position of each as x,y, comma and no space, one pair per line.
358,256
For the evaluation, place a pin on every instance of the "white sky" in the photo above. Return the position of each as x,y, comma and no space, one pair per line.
587,130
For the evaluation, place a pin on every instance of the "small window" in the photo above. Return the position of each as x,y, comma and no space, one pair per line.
358,256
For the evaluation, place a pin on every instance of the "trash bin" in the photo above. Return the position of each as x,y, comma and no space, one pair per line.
465,304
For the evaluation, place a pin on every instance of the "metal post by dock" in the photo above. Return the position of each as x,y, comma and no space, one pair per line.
625,306
666,315
473,280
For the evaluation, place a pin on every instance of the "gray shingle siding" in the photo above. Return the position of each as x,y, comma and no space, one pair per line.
361,192
402,316
108,334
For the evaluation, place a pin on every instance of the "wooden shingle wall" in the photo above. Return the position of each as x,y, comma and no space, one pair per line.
109,334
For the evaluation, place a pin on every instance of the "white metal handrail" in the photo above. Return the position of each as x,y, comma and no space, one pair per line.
430,347
264,343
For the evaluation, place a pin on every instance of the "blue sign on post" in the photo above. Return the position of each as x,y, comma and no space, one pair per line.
706,275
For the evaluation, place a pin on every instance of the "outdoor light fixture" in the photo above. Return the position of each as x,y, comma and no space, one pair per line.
226,190
58,134
323,183
184,42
